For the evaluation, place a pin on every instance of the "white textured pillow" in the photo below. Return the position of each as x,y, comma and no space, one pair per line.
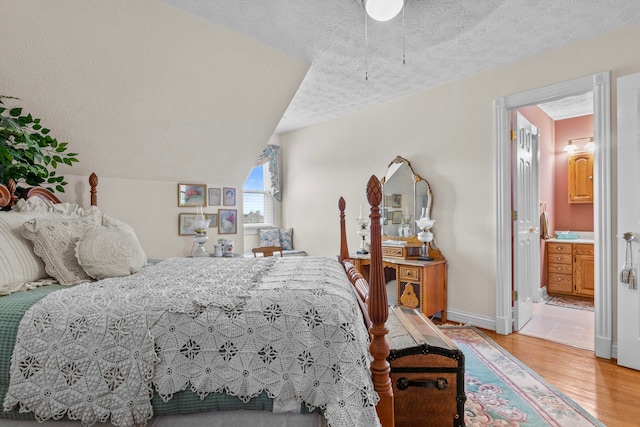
18,263
54,241
109,252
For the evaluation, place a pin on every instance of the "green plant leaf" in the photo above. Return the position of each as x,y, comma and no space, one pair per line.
60,188
15,112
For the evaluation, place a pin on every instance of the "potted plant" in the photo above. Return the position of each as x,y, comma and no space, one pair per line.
28,154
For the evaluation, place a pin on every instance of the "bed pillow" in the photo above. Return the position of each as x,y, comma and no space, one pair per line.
269,237
18,263
286,239
54,241
111,251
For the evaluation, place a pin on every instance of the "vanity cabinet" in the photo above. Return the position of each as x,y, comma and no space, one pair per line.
570,269
583,274
580,177
420,284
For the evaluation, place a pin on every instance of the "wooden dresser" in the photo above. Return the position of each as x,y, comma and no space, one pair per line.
421,284
570,269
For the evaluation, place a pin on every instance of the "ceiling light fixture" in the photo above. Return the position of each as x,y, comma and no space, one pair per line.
571,147
383,10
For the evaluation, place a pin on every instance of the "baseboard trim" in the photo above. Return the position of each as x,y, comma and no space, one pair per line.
472,319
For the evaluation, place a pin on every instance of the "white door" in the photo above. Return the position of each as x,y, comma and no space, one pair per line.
628,217
526,247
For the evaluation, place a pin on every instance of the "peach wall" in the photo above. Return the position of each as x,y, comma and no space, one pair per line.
570,216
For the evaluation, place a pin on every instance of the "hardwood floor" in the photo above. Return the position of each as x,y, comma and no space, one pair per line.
605,390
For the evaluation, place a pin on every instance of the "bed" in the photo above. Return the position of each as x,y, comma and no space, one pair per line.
275,341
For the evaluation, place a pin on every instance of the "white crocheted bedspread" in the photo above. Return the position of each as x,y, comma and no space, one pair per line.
287,326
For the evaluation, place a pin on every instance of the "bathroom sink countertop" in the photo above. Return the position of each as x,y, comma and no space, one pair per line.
583,237
578,240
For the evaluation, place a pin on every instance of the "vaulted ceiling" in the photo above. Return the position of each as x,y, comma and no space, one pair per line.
441,41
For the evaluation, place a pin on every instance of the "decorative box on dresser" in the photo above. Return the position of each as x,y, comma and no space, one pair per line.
570,268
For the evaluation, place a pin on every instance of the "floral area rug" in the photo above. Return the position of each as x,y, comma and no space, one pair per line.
567,302
502,391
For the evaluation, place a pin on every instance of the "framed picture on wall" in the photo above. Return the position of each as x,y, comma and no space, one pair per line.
213,220
396,217
215,196
227,221
185,224
229,196
192,195
396,201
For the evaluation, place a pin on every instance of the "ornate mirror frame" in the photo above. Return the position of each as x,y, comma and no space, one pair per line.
416,190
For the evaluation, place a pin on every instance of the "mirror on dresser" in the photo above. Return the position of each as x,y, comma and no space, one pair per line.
418,277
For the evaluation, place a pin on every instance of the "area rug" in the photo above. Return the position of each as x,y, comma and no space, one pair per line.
567,302
502,391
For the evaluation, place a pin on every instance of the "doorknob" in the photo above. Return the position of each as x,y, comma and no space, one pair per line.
533,230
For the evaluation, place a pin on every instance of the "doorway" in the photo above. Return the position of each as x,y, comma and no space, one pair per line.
600,85
562,303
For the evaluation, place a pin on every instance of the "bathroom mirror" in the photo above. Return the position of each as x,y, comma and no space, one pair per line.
405,194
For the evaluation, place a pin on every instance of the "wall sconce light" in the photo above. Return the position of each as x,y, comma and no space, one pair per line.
571,147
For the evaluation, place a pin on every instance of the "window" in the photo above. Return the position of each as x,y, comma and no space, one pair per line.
257,198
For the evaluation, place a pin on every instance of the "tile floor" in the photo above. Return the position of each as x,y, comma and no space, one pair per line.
563,325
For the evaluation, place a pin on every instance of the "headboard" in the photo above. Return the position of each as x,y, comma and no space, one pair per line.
8,195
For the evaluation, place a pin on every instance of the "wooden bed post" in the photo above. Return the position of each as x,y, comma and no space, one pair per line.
93,182
379,310
344,250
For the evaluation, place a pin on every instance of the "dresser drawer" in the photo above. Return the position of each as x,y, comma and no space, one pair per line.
560,283
559,258
560,268
410,273
559,248
391,251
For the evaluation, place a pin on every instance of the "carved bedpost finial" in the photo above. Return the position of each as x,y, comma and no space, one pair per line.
379,310
93,182
344,250
11,185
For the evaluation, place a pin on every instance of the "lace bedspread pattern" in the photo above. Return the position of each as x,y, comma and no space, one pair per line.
290,327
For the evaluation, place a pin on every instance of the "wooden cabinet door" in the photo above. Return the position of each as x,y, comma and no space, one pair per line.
583,275
581,177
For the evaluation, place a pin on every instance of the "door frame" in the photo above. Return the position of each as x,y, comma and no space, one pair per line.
601,86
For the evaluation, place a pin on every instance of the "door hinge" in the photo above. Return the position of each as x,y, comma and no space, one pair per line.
514,215
515,295
513,135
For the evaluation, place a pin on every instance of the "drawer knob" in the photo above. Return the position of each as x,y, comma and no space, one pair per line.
559,279
559,258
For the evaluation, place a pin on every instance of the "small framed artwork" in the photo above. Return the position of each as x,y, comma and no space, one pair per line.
385,215
396,217
192,195
229,198
227,221
213,220
388,200
215,197
397,201
185,224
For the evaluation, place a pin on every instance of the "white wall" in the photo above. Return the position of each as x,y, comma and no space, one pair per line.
447,134
148,95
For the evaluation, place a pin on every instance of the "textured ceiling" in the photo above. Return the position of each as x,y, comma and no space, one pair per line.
444,40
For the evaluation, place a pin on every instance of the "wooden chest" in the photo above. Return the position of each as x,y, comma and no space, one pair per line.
427,372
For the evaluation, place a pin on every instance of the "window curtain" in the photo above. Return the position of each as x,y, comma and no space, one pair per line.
271,154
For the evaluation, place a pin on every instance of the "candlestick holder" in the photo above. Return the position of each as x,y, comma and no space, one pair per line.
424,224
363,230
200,226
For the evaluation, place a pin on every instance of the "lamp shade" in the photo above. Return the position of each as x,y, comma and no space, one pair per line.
382,10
